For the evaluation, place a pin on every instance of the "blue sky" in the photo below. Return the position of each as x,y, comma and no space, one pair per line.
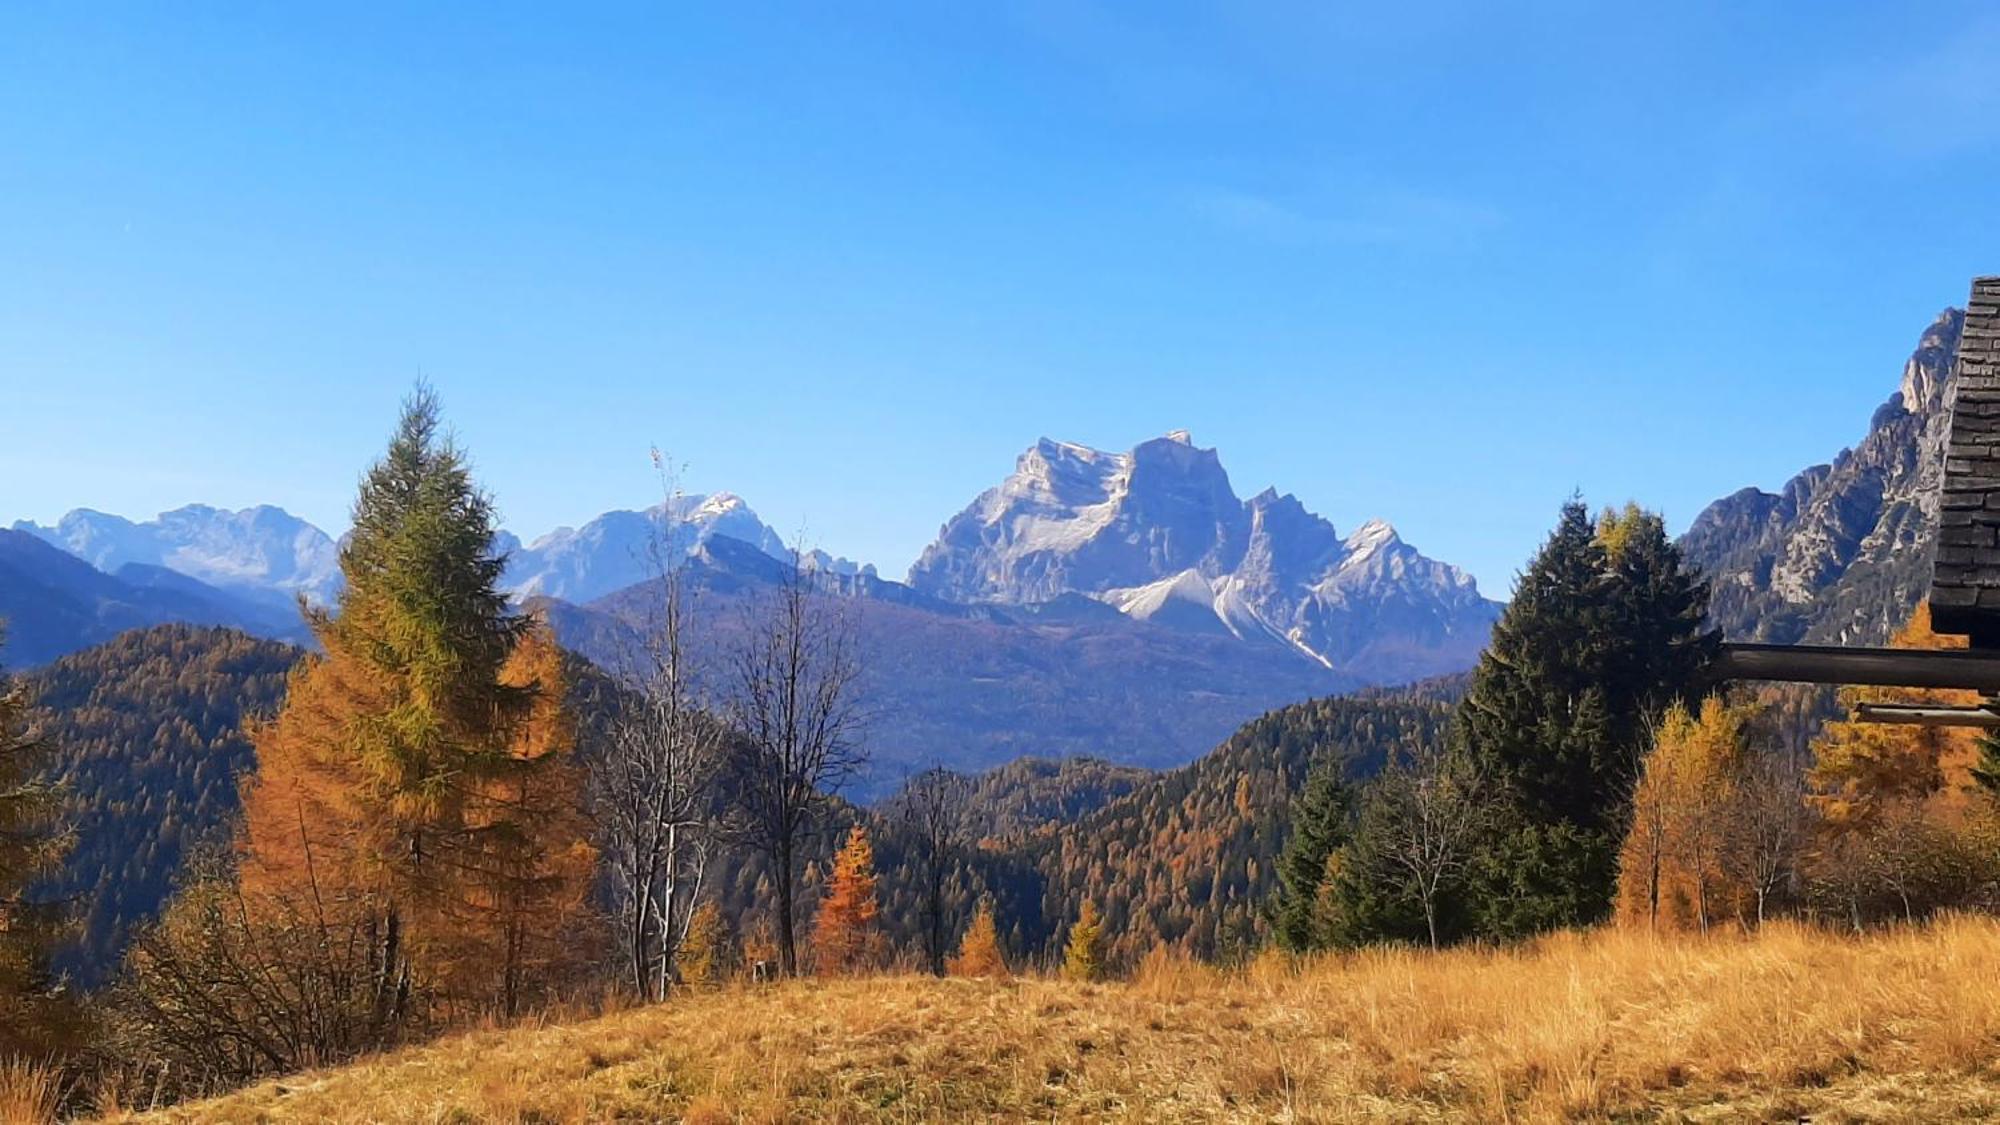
1437,263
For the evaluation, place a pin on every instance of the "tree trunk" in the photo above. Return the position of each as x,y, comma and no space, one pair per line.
788,950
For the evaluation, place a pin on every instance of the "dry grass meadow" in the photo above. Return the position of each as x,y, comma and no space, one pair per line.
1786,1024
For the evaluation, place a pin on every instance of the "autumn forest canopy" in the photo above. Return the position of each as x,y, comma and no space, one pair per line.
223,859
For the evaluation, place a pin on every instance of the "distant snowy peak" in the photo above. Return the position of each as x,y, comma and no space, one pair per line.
273,556
1158,533
621,548
260,549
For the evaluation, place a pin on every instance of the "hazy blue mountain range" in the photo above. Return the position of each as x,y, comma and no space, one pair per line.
975,686
55,603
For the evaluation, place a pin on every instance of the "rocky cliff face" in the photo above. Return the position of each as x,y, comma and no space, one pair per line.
1159,534
1843,553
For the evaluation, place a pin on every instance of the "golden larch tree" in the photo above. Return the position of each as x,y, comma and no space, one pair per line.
1083,953
1861,771
847,936
979,953
1677,868
416,765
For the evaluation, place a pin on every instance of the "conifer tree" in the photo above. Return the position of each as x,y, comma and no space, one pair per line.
1321,823
393,782
979,953
847,937
35,1018
529,883
1604,632
1083,953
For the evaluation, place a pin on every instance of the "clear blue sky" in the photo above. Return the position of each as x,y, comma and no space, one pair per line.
1437,263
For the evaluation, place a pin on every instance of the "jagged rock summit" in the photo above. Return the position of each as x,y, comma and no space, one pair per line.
1159,533
1843,553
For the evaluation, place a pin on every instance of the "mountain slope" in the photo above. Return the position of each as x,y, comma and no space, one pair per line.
1843,553
1189,858
54,603
1159,533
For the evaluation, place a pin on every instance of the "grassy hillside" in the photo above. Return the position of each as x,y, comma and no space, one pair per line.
1783,1024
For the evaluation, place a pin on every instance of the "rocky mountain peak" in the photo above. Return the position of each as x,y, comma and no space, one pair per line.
1843,552
1159,533
1925,373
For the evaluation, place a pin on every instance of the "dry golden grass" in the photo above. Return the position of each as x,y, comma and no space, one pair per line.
1784,1024
29,1092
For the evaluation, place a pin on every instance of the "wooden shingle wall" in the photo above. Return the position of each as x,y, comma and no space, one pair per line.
1965,584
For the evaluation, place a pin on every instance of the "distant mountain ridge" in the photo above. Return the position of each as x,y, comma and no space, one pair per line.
267,553
54,603
1843,553
256,551
617,549
1159,533
975,686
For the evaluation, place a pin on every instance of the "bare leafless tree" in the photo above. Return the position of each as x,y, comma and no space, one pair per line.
656,787
1434,805
795,710
932,808
1772,826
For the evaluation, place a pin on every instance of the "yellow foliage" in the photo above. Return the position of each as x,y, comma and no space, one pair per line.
1860,769
1676,868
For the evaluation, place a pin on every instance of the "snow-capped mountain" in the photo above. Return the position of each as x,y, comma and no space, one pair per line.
270,556
617,549
1159,534
259,552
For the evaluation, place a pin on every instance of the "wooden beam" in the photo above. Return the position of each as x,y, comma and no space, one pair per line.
1918,715
1965,669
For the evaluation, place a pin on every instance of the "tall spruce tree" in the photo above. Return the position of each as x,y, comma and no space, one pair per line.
383,784
35,1018
1322,818
1604,633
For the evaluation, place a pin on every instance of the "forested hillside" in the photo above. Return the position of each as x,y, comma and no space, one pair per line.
147,736
1044,793
1189,859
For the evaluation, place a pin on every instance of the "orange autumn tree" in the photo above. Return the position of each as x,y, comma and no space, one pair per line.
418,779
528,893
979,952
1863,772
847,937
